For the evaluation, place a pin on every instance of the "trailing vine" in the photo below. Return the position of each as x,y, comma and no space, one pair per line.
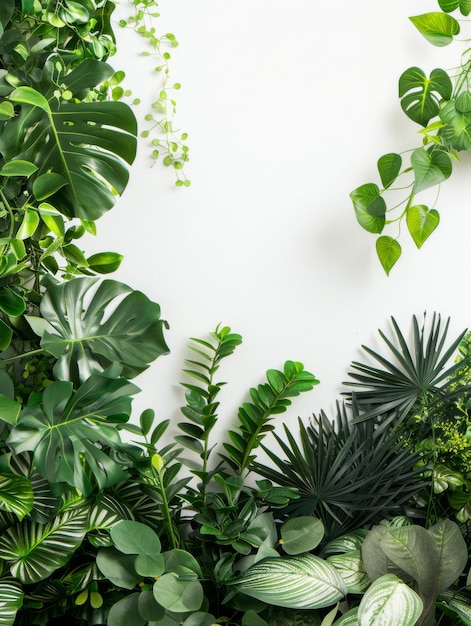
440,103
167,142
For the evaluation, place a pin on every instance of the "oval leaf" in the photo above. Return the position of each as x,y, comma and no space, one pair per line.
389,602
388,250
301,534
17,167
389,166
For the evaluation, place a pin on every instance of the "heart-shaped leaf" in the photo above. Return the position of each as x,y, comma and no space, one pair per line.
389,166
438,28
431,167
388,251
370,207
450,5
421,96
421,222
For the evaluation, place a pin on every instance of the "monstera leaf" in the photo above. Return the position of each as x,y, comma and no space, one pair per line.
82,149
421,95
88,325
64,429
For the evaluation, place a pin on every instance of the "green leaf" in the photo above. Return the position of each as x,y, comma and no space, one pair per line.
438,28
370,207
133,537
301,534
421,222
450,5
421,96
126,612
117,325
431,167
104,262
16,495
6,110
389,602
89,144
35,551
350,567
11,303
388,251
47,184
118,568
18,167
28,225
6,335
299,582
11,601
63,429
9,410
389,166
457,130
178,595
453,554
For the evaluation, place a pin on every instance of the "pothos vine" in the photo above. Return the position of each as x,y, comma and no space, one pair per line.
441,104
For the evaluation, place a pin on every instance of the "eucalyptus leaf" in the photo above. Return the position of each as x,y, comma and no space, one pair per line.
301,534
126,612
133,537
178,595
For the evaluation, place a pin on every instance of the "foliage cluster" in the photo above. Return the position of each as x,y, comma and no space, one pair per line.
440,103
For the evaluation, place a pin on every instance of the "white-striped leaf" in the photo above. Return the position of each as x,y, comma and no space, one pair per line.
34,551
299,582
11,599
16,494
350,618
351,569
389,602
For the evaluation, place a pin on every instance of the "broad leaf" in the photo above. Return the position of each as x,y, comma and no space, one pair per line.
301,534
35,551
421,222
370,207
438,28
11,601
63,431
126,612
178,595
389,166
351,569
300,582
451,5
89,325
16,495
388,251
389,602
421,96
89,144
431,167
453,553
133,537
457,132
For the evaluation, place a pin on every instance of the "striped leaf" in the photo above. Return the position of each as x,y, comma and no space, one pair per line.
34,551
350,618
16,494
11,599
299,582
350,567
389,602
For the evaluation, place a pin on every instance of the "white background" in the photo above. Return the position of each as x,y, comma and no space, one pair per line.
288,105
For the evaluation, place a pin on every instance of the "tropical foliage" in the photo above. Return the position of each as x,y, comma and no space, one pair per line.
440,103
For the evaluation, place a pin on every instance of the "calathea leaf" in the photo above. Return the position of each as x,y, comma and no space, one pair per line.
16,495
88,144
390,602
11,600
88,325
64,430
421,96
34,551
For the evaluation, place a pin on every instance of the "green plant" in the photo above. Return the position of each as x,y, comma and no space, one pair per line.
441,104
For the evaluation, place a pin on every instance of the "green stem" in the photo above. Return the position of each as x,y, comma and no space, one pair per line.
165,509
22,356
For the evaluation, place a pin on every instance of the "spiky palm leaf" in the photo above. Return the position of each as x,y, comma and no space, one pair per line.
345,474
412,377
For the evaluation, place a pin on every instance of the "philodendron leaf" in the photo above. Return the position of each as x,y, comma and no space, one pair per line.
438,28
35,551
11,303
451,5
445,478
389,166
421,222
370,207
299,582
89,144
88,325
388,251
63,429
301,534
431,167
421,96
389,602
11,600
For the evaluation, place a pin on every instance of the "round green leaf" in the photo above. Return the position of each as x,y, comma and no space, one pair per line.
149,565
126,612
301,534
149,608
133,537
178,596
118,568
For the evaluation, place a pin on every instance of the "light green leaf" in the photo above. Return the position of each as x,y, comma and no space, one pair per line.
104,262
421,223
18,167
457,130
16,495
444,478
450,5
438,28
28,225
301,534
389,166
370,207
27,95
350,618
431,167
453,553
300,582
6,110
389,602
388,251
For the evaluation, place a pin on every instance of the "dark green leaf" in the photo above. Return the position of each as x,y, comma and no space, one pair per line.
431,167
421,96
389,166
